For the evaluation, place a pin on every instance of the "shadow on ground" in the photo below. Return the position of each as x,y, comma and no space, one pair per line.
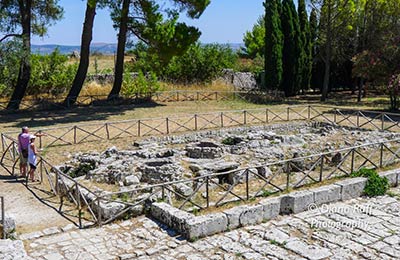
62,116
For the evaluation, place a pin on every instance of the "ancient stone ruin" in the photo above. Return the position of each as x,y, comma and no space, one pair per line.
174,158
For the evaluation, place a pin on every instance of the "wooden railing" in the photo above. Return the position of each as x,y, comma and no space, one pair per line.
161,96
77,134
56,182
248,183
211,190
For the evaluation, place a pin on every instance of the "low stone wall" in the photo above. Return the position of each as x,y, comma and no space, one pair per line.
193,227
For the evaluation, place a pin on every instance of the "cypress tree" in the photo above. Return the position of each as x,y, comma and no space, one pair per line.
313,42
313,31
306,50
291,49
273,45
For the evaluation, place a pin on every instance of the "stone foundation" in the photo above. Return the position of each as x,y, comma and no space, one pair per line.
193,227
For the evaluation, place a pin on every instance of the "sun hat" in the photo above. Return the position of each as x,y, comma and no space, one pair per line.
32,137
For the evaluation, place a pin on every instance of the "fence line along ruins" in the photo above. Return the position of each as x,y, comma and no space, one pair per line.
223,182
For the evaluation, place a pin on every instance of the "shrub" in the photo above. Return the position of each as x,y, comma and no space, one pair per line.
11,54
231,140
199,64
51,74
376,185
141,84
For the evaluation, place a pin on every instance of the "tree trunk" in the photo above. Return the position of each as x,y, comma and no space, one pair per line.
86,39
119,65
328,50
24,73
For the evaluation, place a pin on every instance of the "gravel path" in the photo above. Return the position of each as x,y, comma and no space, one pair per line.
29,213
362,228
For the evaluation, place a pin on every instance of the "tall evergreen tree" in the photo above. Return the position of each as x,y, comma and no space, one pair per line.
306,50
291,49
314,48
313,30
273,45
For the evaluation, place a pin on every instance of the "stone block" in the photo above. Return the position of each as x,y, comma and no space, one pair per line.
9,225
12,249
352,188
108,210
171,216
251,215
202,226
271,207
233,216
326,194
392,176
296,202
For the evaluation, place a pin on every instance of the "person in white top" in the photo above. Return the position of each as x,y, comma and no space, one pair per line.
32,152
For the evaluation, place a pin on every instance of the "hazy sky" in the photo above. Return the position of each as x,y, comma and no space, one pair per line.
224,21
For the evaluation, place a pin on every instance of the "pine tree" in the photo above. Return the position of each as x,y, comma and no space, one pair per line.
273,45
291,49
306,55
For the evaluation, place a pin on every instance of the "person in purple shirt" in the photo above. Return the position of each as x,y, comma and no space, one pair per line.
23,143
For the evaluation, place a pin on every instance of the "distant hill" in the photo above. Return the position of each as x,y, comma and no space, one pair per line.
104,48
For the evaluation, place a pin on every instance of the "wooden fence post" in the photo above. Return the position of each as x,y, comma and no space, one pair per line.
3,217
139,127
266,116
167,124
288,176
98,213
222,119
2,142
195,122
382,121
78,200
40,139
381,157
247,185
75,134
334,116
288,114
321,170
207,191
244,117
107,132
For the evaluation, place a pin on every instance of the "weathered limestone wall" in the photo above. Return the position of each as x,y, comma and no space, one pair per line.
194,227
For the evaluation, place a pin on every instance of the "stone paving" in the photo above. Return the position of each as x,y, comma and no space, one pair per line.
364,228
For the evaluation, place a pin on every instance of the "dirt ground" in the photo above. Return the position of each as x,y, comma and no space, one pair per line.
29,213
